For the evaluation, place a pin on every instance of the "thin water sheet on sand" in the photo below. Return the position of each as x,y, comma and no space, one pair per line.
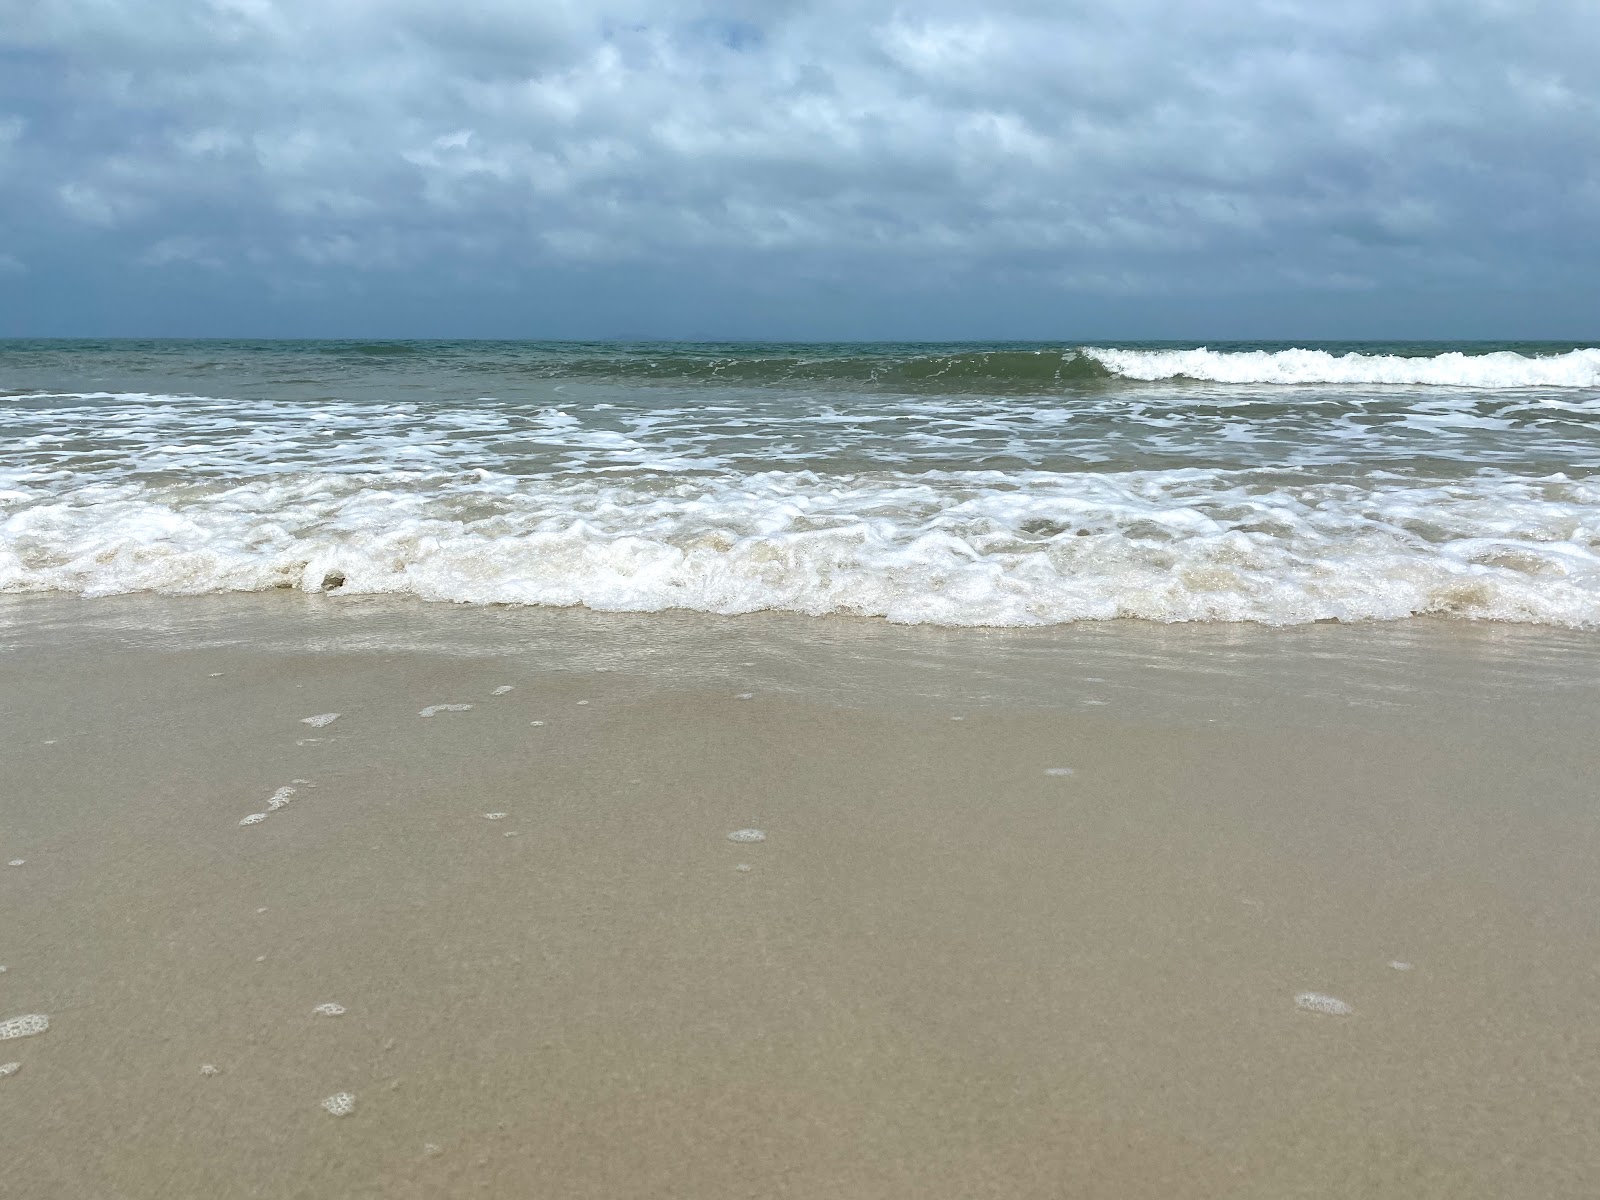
944,969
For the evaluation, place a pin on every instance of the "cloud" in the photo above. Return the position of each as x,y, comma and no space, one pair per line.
1148,147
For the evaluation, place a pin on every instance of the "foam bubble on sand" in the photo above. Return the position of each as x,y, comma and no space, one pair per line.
254,819
1400,966
280,798
503,689
745,696
535,722
9,1069
509,833
583,702
259,911
958,718
494,816
3,970
439,708
1317,1002
1058,771
17,862
24,1026
329,1010
321,719
747,835
208,1070
742,867
215,675
431,1150
340,1104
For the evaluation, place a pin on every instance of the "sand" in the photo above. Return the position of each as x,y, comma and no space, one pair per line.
1311,912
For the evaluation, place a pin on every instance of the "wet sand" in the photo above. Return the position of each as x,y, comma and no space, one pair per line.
950,969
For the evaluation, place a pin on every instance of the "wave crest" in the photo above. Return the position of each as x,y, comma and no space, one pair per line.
1500,369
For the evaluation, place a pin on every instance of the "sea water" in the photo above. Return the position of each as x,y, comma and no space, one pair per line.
984,485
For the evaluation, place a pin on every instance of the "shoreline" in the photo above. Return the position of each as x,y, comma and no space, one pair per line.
948,971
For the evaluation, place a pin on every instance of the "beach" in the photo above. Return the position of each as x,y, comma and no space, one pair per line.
1113,909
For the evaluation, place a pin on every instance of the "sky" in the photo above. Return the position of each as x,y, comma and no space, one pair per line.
800,169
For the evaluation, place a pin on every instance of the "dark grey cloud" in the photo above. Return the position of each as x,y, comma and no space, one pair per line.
821,167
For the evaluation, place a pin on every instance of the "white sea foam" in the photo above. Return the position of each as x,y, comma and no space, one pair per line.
280,798
253,819
503,689
967,548
340,1104
747,835
329,1010
320,720
1460,494
1328,1006
439,708
1574,369
27,1025
10,1068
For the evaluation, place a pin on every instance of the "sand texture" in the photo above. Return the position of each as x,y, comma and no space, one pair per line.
1132,914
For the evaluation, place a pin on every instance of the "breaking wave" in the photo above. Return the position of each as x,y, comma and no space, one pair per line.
946,548
1499,369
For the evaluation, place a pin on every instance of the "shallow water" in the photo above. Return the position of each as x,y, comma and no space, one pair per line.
963,486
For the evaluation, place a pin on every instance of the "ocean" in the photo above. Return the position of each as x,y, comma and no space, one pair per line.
971,485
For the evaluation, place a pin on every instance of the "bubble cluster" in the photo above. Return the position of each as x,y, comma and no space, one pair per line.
24,1026
1317,1002
321,719
1400,966
747,835
1058,771
9,1069
208,1070
254,819
340,1104
280,798
503,689
439,708
495,816
17,862
329,1010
